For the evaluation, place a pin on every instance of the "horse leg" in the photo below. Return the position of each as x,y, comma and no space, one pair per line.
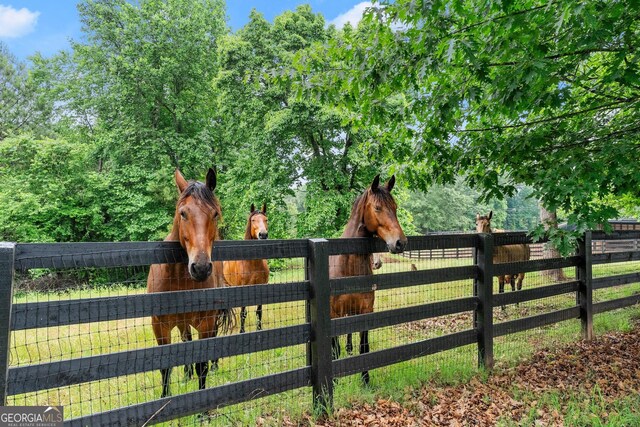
243,317
259,316
207,328
364,348
163,336
185,335
335,348
520,279
501,286
349,346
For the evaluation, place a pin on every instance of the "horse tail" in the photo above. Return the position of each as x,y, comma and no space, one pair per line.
226,320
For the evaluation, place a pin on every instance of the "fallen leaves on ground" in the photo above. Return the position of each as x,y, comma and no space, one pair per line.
609,364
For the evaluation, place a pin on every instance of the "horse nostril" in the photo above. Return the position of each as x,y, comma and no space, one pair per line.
399,245
264,235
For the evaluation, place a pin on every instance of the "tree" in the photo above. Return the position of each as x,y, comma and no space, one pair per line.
506,93
23,108
287,138
138,90
48,191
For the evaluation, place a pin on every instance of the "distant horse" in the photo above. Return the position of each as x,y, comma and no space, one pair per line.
252,271
195,226
505,253
373,214
376,264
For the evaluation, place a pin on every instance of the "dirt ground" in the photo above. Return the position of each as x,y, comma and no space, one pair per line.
609,366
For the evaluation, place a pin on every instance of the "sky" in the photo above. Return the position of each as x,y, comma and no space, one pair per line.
46,26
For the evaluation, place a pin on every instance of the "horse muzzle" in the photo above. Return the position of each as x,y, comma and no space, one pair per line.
398,246
200,271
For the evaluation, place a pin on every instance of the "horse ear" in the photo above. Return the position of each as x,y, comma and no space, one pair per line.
264,208
253,208
490,214
477,217
180,181
211,179
376,182
391,183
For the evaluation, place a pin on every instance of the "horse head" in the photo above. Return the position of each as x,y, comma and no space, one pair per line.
380,217
483,223
196,221
257,225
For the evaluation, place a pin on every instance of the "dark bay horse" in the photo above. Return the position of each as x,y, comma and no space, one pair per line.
373,214
506,253
251,271
195,226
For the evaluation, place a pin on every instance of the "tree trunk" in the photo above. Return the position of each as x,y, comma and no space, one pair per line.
550,220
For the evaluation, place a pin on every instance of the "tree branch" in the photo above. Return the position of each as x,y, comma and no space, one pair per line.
549,119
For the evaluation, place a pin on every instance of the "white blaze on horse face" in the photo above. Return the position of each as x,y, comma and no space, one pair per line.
197,234
259,227
383,221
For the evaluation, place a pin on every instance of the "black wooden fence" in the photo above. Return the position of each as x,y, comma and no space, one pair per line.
316,332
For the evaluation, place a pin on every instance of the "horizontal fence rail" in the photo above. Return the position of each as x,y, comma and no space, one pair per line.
365,322
28,378
173,407
378,359
102,309
346,285
87,255
318,329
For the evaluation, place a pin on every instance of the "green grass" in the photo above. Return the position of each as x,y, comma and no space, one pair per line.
453,366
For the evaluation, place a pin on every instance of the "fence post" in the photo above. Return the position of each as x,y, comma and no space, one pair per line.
321,363
483,290
585,288
7,259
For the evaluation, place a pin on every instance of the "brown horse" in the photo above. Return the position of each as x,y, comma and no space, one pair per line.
506,253
195,226
252,271
376,264
373,214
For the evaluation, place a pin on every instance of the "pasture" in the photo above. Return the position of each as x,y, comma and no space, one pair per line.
41,345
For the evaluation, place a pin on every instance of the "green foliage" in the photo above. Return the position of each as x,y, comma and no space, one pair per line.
22,106
47,191
525,102
505,93
287,138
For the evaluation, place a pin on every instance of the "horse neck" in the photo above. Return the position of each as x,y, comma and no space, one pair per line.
355,264
355,225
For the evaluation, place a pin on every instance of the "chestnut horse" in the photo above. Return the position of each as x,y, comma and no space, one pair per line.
506,253
195,226
373,214
251,271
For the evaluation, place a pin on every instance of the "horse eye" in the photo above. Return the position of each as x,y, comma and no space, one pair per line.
183,214
378,209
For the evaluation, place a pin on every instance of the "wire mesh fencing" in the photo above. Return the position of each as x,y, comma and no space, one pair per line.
59,337
82,333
